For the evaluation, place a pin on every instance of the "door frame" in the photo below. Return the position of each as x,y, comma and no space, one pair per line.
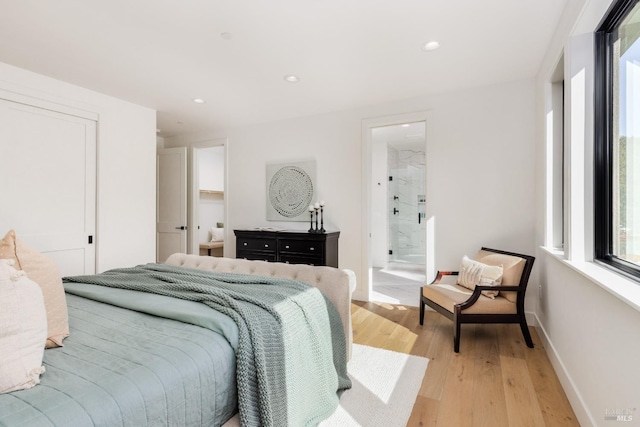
364,289
193,193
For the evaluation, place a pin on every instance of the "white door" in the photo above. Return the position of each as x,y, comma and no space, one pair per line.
171,208
48,178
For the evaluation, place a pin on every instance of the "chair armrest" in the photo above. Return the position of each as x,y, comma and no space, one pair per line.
477,291
502,288
442,274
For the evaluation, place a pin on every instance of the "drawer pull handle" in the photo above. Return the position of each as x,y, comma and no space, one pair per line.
245,243
287,247
312,249
266,246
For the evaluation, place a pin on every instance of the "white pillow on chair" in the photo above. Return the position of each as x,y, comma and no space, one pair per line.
23,329
474,273
217,234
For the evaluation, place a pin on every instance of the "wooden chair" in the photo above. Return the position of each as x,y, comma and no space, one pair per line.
462,305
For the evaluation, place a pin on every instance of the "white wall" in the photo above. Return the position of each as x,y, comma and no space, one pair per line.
479,170
591,335
211,168
126,165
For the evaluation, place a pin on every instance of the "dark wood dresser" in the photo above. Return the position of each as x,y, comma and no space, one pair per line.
292,247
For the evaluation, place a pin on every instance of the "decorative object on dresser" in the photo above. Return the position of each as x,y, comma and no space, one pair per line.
293,247
319,205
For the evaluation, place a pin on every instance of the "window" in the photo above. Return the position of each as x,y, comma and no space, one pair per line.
617,144
557,158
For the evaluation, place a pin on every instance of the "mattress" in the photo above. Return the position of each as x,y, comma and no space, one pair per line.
121,367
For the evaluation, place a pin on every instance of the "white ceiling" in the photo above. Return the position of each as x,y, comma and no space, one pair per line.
347,53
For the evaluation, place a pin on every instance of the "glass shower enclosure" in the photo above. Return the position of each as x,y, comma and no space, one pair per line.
407,206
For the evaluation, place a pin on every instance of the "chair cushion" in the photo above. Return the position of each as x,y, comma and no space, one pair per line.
474,273
447,295
512,267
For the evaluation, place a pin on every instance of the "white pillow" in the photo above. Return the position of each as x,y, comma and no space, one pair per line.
23,329
217,234
474,273
42,270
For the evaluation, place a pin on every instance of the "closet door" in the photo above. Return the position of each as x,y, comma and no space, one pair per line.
48,179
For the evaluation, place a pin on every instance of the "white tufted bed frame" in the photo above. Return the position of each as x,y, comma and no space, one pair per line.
336,284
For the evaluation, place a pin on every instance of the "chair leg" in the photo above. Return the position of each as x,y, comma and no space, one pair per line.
525,332
421,309
456,335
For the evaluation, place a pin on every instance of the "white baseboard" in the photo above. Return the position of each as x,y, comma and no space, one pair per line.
359,296
585,418
532,319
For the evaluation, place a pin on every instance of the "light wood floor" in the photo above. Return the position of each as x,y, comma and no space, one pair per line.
495,380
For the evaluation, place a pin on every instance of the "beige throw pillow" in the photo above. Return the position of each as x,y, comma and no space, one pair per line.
474,273
42,270
23,329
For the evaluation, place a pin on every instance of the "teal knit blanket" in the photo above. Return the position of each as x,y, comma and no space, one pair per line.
291,356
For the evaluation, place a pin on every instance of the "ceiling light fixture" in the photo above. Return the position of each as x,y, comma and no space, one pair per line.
199,101
405,125
429,46
291,78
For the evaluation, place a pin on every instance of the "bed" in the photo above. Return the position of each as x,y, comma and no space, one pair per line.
135,358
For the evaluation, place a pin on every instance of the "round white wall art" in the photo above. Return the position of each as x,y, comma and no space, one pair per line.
290,191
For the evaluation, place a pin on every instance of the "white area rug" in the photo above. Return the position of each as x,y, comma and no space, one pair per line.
385,387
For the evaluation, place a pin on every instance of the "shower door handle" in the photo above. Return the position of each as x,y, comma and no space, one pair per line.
419,217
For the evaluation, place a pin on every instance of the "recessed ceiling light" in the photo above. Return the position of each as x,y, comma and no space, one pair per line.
199,101
291,78
226,36
429,46
406,125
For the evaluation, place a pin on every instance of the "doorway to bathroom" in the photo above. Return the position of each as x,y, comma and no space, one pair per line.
398,201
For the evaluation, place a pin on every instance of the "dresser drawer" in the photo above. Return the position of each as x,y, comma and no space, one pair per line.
247,243
257,256
289,246
301,247
300,259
